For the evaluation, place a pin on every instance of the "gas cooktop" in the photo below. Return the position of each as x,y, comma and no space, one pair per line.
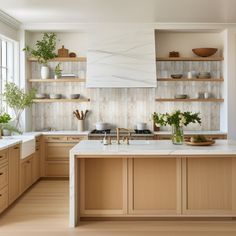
113,132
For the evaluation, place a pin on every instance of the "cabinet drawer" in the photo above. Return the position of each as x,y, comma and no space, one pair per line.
3,176
3,199
54,139
75,138
57,169
58,151
3,157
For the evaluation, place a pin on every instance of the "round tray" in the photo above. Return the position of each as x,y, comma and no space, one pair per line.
208,143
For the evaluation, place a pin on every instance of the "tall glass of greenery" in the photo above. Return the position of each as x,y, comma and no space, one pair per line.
177,120
18,100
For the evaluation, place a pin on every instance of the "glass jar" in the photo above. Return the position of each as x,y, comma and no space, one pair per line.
177,135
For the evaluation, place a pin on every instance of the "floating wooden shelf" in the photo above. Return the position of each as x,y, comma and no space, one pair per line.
189,58
191,80
63,59
189,100
56,80
60,100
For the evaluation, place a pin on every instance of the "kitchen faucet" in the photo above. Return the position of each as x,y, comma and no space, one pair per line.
125,138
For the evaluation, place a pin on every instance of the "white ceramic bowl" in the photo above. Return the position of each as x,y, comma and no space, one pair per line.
102,126
141,126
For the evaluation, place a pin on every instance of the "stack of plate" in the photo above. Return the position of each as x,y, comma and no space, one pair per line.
40,95
204,75
55,96
181,96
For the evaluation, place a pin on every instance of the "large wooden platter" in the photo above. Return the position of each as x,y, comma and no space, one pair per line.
208,143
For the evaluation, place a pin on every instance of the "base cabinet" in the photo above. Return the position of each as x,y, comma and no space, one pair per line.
3,198
36,165
26,173
209,186
14,173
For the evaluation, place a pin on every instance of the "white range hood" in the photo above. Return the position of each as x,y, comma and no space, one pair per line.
121,59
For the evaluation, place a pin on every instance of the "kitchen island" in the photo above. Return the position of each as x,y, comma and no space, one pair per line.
150,179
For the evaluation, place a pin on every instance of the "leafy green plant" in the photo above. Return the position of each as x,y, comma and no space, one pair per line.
5,118
58,70
177,118
18,99
44,49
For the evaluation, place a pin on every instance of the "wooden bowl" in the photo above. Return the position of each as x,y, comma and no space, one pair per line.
204,52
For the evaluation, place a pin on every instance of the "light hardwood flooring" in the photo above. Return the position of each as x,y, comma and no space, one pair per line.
43,210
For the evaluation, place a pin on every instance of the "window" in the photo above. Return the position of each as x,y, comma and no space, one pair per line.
7,67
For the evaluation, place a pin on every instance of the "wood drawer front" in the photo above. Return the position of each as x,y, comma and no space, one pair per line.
58,151
53,139
3,199
57,169
75,139
3,157
3,176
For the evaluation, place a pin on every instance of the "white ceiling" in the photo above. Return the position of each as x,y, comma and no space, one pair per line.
103,11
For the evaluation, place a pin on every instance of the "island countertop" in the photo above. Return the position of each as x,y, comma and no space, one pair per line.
151,147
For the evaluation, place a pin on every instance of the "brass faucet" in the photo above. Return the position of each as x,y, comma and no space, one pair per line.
126,138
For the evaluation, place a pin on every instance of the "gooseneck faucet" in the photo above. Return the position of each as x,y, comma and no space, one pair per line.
126,138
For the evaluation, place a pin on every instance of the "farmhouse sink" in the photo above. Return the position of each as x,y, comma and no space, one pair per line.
27,145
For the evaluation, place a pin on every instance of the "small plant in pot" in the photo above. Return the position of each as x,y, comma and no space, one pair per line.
57,71
18,100
44,51
6,128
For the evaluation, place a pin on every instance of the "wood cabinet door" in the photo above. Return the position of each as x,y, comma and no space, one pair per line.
154,186
26,174
3,198
14,173
209,186
36,165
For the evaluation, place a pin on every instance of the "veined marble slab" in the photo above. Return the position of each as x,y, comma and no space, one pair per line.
121,58
150,147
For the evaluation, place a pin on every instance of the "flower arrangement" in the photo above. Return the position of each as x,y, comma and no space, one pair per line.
177,120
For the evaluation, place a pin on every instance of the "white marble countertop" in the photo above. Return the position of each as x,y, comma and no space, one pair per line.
64,132
6,143
193,132
152,147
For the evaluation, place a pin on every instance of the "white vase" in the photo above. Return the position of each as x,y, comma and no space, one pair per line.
44,72
80,125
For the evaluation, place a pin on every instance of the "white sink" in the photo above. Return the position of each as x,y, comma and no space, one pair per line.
27,145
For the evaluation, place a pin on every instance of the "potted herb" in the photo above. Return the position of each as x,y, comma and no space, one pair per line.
57,71
5,127
18,100
44,51
177,120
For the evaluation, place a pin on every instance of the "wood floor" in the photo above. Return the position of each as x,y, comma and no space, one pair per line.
43,210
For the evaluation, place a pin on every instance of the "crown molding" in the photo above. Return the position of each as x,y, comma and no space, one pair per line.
10,21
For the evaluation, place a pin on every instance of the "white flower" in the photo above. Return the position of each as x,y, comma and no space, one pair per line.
165,118
183,120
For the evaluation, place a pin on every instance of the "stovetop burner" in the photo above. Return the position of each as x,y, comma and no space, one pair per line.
145,131
107,131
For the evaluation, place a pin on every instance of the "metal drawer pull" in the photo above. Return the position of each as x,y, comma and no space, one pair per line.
16,147
1,157
0,195
1,173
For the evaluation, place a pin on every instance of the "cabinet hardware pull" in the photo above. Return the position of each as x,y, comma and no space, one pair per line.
1,173
16,147
0,195
28,162
1,157
37,149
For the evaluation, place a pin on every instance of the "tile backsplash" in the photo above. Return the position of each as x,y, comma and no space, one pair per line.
123,107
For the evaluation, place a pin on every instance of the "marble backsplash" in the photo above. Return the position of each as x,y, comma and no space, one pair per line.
121,107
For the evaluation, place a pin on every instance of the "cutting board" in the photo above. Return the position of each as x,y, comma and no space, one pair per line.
63,52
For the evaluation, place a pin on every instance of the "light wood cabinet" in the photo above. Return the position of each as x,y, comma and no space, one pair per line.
36,165
3,180
26,173
209,186
14,173
57,151
154,186
103,186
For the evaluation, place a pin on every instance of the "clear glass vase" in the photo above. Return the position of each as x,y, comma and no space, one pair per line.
177,135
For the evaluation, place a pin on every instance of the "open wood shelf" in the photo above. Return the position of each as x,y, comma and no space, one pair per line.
56,80
62,59
189,59
191,80
189,100
60,100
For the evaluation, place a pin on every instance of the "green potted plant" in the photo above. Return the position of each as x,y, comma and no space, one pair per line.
44,51
5,127
57,71
18,100
177,120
